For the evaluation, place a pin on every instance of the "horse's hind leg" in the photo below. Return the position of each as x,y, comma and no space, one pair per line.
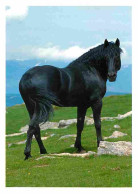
27,150
96,107
33,130
39,141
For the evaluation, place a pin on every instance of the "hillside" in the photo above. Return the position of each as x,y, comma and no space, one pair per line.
93,171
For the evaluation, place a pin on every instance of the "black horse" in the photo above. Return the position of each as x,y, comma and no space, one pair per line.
81,84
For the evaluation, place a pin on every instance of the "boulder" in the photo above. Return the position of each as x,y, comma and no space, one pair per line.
120,148
65,123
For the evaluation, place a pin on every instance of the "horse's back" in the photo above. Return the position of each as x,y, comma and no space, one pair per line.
42,77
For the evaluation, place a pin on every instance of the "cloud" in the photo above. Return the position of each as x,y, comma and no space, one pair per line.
54,52
127,52
127,43
16,12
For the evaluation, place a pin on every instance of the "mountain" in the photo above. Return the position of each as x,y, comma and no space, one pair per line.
123,83
16,68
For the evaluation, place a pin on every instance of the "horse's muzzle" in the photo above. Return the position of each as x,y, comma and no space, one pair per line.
112,77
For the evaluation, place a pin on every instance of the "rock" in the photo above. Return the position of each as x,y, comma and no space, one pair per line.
10,144
86,118
65,123
49,125
15,134
120,148
21,142
125,115
52,135
82,155
44,126
91,152
89,122
72,146
116,126
44,138
24,129
44,157
24,141
17,143
67,136
108,118
116,134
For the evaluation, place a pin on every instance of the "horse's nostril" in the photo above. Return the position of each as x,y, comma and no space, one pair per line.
111,74
114,74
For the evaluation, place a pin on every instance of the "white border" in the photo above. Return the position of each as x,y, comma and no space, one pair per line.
2,95
135,93
70,2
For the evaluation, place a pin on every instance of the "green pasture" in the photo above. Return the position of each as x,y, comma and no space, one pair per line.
65,171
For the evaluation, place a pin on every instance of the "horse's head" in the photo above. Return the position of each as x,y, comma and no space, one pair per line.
113,60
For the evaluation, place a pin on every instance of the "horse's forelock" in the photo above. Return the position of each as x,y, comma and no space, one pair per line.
113,50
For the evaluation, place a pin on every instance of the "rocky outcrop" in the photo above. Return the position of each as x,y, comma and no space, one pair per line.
120,148
66,123
82,155
116,134
44,126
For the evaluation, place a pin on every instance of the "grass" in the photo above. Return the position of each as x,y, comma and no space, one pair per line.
112,106
93,171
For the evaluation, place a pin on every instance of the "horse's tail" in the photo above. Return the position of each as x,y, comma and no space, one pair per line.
43,109
39,105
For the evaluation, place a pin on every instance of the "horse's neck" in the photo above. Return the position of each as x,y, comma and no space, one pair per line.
100,66
89,60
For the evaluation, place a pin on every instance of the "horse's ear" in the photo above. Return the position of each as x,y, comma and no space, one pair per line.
117,42
106,43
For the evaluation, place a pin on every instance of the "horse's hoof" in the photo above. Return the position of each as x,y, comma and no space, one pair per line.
43,151
82,151
98,143
27,157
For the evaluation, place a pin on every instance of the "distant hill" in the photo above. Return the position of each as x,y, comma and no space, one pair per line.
123,84
16,68
13,99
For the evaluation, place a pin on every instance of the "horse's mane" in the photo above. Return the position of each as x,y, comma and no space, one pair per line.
97,54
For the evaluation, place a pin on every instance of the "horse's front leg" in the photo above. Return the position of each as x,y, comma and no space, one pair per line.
96,107
81,112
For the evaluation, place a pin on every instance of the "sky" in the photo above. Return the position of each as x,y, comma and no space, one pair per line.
65,33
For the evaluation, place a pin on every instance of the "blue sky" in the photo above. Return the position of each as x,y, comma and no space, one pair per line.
64,33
